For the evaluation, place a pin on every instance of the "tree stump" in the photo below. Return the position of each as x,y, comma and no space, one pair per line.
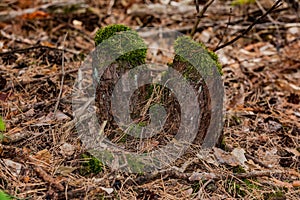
198,70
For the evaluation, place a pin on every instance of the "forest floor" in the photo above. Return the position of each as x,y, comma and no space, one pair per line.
41,156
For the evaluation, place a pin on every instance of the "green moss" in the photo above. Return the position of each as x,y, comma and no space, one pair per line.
123,138
142,124
223,144
235,189
120,44
134,164
238,169
108,31
197,54
250,185
196,187
91,165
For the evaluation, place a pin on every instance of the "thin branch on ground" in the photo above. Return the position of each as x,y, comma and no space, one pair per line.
62,76
38,80
200,15
277,4
25,50
226,28
203,175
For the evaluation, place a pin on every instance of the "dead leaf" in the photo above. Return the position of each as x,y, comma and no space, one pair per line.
65,170
36,15
281,183
67,149
196,176
43,155
296,183
239,153
224,157
107,190
14,167
26,179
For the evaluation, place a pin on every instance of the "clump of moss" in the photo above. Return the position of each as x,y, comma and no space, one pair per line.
91,165
120,45
188,50
108,31
239,169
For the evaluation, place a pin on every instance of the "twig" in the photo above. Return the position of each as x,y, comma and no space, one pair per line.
203,175
8,15
264,11
110,6
275,5
36,47
226,28
38,80
48,178
200,15
248,156
23,156
62,76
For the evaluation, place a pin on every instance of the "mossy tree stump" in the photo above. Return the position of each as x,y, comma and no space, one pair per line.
114,71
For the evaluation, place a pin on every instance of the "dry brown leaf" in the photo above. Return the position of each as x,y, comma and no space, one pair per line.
285,85
224,157
196,176
43,155
296,183
281,183
15,168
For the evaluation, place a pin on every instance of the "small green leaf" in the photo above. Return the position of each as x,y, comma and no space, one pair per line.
4,196
242,2
2,125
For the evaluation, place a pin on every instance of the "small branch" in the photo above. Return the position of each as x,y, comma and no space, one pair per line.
275,5
62,77
22,156
200,15
110,6
9,15
24,50
226,28
38,80
196,176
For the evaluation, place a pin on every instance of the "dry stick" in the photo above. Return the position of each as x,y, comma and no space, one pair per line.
62,76
36,47
203,176
226,28
275,5
257,161
248,156
44,78
23,156
110,6
8,15
200,15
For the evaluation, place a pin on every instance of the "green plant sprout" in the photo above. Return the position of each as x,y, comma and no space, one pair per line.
2,125
4,196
